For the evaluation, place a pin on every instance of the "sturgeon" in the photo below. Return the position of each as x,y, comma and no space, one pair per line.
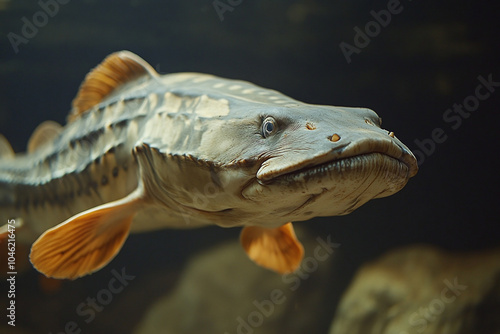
143,151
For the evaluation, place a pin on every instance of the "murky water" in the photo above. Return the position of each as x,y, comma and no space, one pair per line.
419,65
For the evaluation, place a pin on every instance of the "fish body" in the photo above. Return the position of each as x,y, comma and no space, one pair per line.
143,151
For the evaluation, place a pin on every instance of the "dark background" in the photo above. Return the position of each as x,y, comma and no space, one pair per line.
425,60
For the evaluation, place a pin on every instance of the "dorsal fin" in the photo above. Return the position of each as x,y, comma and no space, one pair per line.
43,133
116,70
6,150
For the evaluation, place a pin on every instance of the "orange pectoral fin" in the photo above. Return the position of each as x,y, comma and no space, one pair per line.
277,249
86,242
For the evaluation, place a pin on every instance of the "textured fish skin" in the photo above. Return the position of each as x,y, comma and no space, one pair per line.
198,145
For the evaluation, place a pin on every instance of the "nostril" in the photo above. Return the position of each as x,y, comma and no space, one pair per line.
310,126
334,138
367,121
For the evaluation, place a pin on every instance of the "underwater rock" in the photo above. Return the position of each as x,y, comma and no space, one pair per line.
222,291
421,289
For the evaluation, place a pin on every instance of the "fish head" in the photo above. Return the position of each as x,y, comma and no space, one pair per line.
239,154
295,163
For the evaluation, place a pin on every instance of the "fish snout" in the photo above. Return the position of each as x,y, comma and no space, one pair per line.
372,140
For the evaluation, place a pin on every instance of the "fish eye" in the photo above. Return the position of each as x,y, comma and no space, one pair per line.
269,127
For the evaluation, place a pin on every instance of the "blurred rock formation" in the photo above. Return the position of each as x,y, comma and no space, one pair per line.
221,291
422,289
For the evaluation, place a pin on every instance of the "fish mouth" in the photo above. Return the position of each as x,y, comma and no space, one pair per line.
396,163
358,164
334,183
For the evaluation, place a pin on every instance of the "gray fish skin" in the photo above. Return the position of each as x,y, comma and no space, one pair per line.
199,146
